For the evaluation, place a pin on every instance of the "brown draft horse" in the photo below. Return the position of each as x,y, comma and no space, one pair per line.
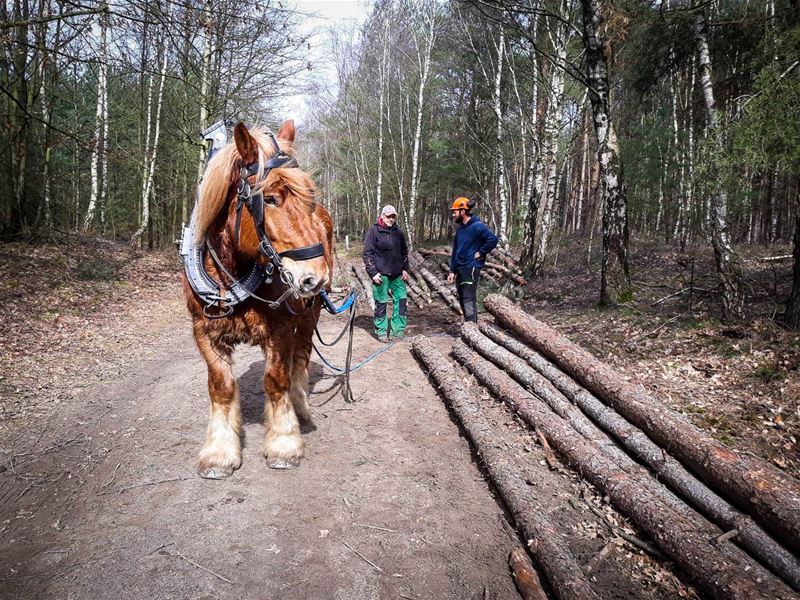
292,219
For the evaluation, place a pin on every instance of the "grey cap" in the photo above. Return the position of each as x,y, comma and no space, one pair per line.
388,210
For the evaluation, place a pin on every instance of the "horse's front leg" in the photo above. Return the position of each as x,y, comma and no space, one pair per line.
222,452
283,446
298,390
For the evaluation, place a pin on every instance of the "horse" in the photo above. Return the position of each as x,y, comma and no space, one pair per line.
287,237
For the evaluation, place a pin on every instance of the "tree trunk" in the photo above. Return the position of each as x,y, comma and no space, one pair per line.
720,569
769,495
438,285
150,162
423,64
498,152
666,468
97,149
563,572
728,270
792,315
366,283
615,283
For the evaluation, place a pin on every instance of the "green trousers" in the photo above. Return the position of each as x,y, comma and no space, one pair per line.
399,306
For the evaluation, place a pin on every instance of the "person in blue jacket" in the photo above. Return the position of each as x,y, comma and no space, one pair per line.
386,261
473,241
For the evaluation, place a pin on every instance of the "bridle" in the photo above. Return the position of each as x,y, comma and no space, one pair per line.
217,304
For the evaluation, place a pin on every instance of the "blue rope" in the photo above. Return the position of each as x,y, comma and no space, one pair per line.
339,370
331,308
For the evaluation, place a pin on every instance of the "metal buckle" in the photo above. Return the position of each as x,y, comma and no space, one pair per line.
228,310
267,249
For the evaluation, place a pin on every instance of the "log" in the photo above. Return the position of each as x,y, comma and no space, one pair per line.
526,578
724,571
366,283
412,295
423,286
560,567
508,272
439,286
413,287
750,535
753,485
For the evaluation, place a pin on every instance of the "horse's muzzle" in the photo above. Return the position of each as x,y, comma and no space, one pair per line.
310,285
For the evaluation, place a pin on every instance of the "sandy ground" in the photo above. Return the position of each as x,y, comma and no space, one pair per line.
103,408
102,500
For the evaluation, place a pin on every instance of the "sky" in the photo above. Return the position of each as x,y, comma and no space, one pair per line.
324,14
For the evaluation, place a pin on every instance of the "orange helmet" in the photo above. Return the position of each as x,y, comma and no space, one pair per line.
462,203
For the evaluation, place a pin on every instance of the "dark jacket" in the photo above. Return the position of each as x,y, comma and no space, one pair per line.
385,251
473,237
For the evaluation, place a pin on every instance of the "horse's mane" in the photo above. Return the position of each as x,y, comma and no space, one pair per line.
222,171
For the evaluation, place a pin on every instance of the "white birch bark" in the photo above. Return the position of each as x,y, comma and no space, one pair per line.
499,163
150,162
383,67
727,262
104,149
539,223
615,274
98,125
423,42
205,74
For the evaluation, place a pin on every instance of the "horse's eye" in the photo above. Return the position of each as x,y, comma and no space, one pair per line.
271,200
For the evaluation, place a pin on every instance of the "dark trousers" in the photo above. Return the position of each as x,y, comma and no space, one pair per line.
467,286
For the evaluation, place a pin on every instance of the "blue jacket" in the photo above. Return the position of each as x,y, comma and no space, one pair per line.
473,237
385,251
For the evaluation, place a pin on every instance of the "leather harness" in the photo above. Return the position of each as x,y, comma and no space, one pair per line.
214,295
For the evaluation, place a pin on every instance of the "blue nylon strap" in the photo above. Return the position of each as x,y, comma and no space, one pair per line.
331,308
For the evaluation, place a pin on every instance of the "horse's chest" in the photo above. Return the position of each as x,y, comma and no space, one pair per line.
249,327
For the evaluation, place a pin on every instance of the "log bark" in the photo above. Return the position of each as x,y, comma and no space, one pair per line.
723,571
751,484
528,584
439,286
366,283
671,472
414,297
508,272
560,567
423,286
413,288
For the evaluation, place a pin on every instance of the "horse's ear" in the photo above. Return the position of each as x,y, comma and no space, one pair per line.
286,132
245,144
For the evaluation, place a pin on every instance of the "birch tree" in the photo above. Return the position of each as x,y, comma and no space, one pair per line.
615,281
728,269
99,123
150,153
424,39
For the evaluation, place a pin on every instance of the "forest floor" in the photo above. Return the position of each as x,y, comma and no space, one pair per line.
103,409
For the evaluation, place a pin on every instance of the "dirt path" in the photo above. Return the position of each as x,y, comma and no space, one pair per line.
102,500
103,410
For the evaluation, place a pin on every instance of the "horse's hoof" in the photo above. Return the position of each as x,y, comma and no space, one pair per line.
283,463
307,427
215,472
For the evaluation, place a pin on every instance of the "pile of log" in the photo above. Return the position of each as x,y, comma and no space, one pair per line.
721,516
500,266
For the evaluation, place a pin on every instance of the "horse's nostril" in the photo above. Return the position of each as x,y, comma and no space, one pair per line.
308,283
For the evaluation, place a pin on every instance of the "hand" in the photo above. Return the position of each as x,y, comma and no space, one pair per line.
478,256
451,277
377,279
404,276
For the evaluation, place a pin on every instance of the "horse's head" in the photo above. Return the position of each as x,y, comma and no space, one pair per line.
292,219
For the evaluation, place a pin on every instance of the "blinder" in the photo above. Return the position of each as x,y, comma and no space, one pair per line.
255,206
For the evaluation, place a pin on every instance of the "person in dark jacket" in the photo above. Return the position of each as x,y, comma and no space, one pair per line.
386,260
472,242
